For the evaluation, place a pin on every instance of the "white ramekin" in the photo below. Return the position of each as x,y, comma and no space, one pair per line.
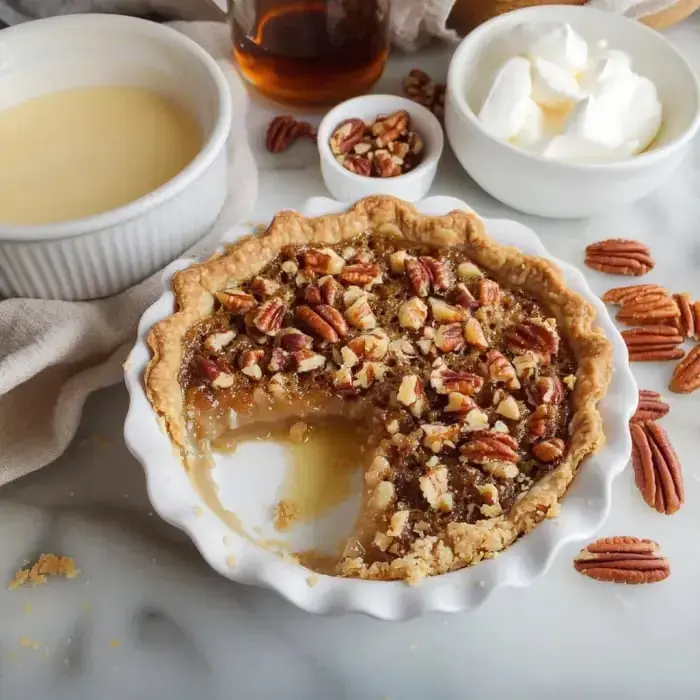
100,255
244,487
540,186
349,187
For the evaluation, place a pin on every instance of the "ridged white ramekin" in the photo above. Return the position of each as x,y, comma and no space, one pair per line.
246,479
100,255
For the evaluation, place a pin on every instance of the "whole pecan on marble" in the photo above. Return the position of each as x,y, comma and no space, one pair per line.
657,471
653,343
686,376
284,130
623,560
419,87
650,407
643,304
686,322
619,256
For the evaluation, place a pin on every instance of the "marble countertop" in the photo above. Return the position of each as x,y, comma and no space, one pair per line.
148,618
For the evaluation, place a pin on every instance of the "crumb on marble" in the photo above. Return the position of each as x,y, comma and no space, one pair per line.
27,608
286,512
47,565
231,561
312,580
114,643
198,511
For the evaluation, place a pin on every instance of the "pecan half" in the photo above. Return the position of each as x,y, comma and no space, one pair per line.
632,293
490,446
540,422
419,87
686,319
270,316
653,343
623,560
236,301
650,406
649,308
696,320
439,272
390,128
489,292
500,371
358,164
619,256
686,376
532,335
317,323
284,130
346,135
418,276
657,471
445,381
549,451
361,274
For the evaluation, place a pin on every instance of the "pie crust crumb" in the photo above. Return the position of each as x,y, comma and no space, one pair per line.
47,565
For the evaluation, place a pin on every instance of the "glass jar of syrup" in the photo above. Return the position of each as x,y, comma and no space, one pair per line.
310,52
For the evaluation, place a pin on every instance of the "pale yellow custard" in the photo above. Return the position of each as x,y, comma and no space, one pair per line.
84,151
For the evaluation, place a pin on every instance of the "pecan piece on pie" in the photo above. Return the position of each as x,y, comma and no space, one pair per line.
269,317
545,389
500,371
653,343
686,376
490,446
619,256
549,450
317,323
445,381
489,292
236,301
623,560
650,406
536,336
361,274
657,471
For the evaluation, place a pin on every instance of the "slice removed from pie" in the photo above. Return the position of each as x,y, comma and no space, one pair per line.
473,369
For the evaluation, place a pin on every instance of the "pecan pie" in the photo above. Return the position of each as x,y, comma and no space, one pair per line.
475,370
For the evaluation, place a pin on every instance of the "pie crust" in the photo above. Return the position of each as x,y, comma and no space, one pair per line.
456,543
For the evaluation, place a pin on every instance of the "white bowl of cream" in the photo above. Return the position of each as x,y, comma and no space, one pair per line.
114,158
566,111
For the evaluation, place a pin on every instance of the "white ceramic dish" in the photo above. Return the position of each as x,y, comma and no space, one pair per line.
540,186
100,255
251,492
349,187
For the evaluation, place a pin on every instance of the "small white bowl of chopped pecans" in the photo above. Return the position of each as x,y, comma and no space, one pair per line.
379,144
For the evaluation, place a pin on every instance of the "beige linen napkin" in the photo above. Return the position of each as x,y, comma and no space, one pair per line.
53,354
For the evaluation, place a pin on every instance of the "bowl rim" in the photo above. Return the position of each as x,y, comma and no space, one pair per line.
144,30
330,121
455,91
584,509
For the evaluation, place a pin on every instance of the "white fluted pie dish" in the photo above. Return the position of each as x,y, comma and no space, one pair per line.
249,479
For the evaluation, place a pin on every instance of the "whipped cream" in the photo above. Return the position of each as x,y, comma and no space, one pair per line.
567,100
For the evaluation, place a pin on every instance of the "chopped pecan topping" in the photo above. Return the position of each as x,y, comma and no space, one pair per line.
412,395
623,560
445,381
446,313
216,342
441,277
331,290
489,292
474,334
370,346
490,446
549,451
270,316
249,363
397,261
360,315
413,313
280,360
324,262
500,371
236,301
532,335
361,274
459,403
342,379
369,373
264,287
545,389
308,360
223,380
435,489
346,136
541,421
438,436
464,298
292,339
508,408
526,365
450,337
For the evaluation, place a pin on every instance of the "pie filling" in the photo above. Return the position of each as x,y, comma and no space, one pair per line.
461,386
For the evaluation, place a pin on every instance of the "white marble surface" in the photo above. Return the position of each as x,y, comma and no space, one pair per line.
147,618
